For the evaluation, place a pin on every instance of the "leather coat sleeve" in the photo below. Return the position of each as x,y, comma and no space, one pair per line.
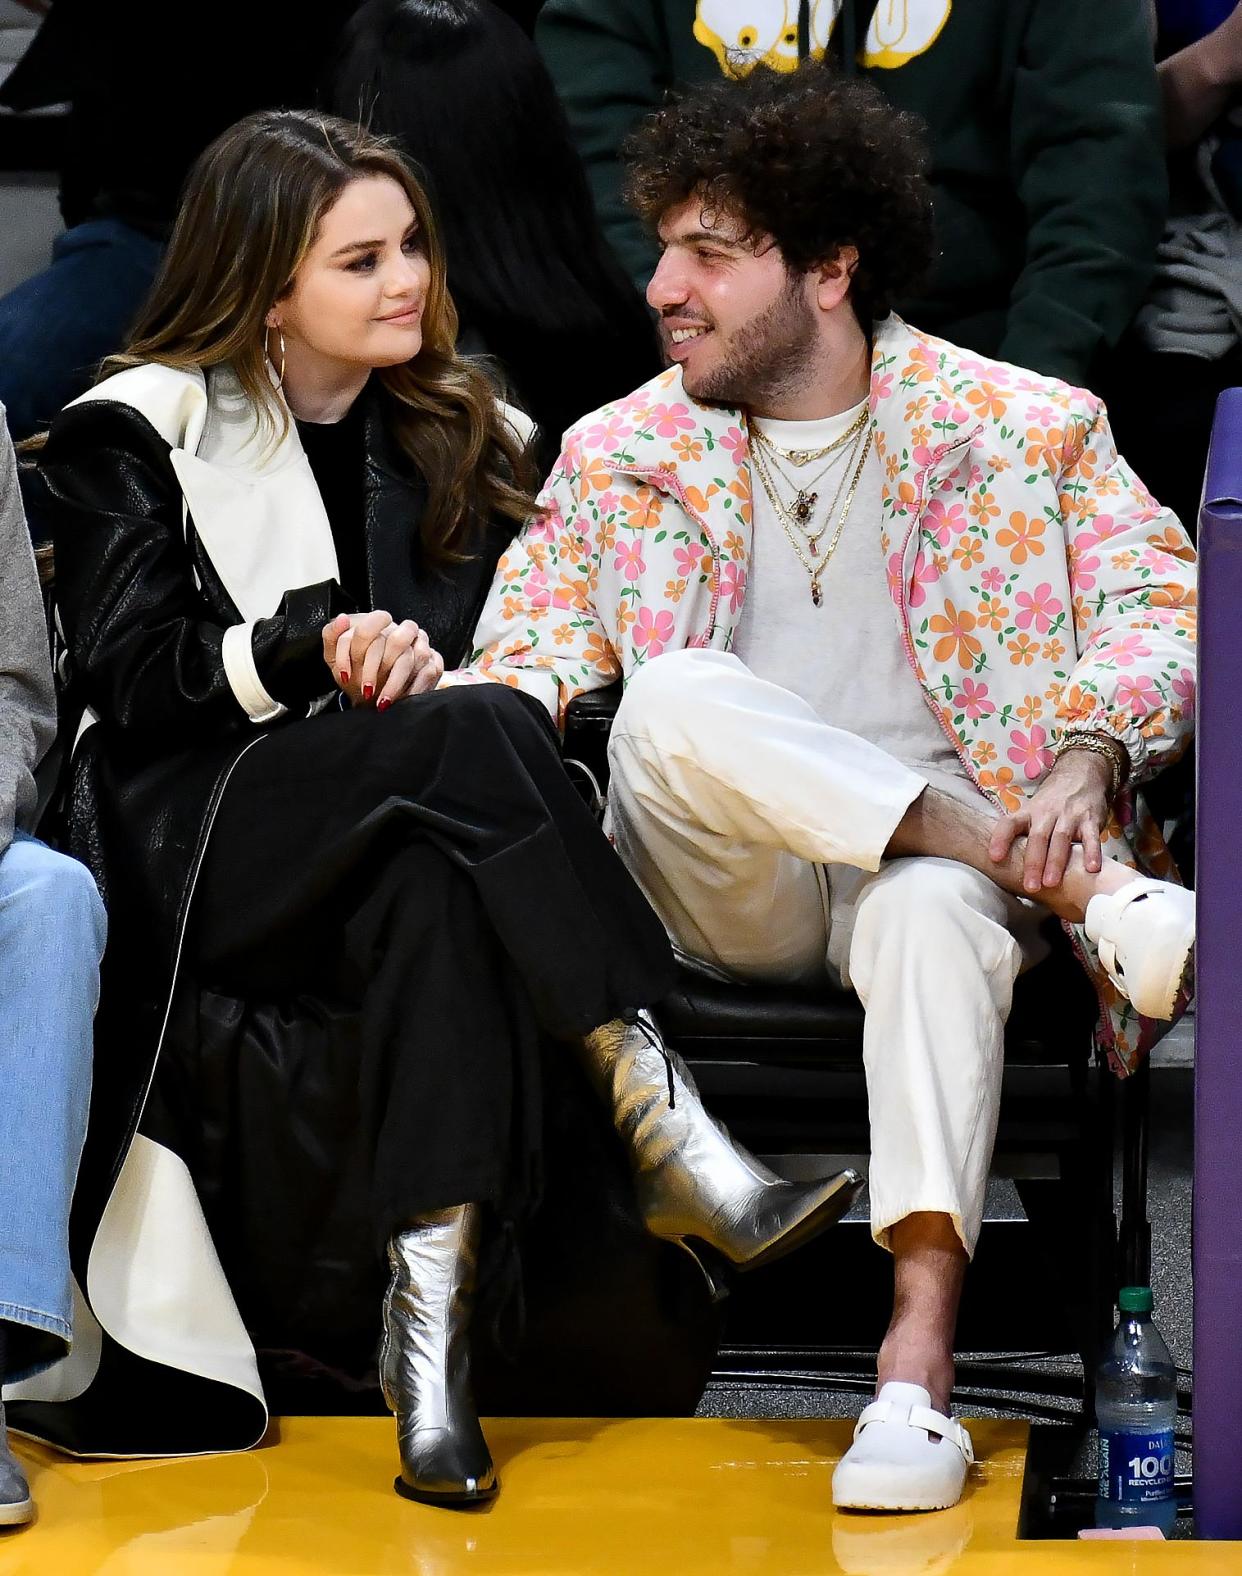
144,639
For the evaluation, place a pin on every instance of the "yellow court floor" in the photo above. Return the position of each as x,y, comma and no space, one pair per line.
639,1497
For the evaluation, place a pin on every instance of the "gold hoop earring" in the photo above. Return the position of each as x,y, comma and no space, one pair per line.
280,375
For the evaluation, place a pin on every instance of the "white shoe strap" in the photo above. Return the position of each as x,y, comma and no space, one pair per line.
920,1417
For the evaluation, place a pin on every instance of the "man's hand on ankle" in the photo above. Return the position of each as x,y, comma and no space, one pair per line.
1070,806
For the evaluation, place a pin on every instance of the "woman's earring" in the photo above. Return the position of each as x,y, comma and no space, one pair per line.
280,374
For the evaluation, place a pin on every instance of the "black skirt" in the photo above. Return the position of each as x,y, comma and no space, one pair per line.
397,913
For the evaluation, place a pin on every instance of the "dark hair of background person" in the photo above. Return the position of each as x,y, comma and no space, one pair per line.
464,92
816,160
250,213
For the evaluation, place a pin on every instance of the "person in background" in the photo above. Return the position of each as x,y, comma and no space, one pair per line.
1047,169
143,105
51,940
1187,338
466,96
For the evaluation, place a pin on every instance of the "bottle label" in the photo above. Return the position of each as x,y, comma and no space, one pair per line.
1136,1468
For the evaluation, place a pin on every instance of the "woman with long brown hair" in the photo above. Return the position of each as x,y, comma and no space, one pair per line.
346,904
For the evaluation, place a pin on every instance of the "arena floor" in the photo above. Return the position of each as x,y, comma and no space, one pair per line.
639,1497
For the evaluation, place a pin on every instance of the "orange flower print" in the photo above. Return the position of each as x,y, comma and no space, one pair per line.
984,752
998,463
674,590
993,613
600,655
688,449
1022,537
987,402
1174,542
1173,595
511,608
642,508
1053,651
1043,447
562,634
984,506
625,616
733,545
891,467
955,629
1023,651
1031,710
969,552
1000,783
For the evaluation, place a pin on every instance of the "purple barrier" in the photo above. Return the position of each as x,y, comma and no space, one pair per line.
1218,1062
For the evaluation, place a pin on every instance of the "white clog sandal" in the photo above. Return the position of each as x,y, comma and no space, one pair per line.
893,1464
1145,933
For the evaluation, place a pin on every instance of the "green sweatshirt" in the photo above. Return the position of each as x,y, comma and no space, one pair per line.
1044,122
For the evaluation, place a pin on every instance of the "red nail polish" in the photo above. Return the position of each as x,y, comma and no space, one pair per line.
383,703
344,676
367,691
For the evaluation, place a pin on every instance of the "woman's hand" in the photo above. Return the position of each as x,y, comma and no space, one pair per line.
376,662
1070,806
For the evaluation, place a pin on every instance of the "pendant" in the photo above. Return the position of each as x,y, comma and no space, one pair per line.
815,596
803,505
813,548
798,456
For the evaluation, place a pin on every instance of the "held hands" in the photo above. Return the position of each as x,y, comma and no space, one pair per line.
376,662
1070,806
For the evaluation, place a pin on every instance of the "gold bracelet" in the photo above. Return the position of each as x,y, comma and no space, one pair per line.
1099,744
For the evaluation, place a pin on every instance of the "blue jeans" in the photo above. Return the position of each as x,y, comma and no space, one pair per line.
52,930
56,327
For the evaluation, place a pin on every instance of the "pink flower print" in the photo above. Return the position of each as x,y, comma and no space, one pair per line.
973,699
733,584
608,433
945,520
735,444
629,561
654,630
1159,563
992,580
1102,527
1041,415
1137,693
1123,652
669,420
1037,608
1084,567
925,573
607,502
1184,688
537,592
687,558
1030,751
882,387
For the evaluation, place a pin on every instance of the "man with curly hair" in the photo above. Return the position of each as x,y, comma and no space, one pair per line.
900,635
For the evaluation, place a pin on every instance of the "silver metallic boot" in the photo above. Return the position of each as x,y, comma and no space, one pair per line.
16,1505
693,1181
425,1361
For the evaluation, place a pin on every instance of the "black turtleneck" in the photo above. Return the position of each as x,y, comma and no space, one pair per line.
337,456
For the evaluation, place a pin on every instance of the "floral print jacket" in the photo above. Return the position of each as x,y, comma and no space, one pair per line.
1037,586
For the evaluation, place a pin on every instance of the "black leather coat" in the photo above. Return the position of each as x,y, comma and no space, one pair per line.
143,614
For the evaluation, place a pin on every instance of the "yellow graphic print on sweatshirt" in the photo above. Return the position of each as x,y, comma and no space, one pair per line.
743,34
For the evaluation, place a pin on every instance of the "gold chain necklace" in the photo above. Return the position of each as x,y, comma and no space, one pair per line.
802,457
805,498
814,569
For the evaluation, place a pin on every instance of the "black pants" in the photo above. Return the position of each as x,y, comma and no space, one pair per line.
392,912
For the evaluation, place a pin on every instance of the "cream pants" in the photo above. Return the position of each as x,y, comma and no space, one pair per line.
758,833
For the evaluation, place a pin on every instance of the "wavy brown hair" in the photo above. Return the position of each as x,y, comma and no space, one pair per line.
251,211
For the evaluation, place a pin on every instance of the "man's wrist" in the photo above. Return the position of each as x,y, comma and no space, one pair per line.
1110,753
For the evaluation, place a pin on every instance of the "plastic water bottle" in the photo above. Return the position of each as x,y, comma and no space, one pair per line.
1136,1411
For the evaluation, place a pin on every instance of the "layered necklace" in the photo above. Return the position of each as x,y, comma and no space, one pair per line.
797,513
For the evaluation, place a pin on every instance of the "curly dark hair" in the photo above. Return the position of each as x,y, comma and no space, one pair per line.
816,160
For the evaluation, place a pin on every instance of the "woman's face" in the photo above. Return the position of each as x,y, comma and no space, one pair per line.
358,298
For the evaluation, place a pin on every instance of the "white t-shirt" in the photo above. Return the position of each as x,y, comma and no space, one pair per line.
845,657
